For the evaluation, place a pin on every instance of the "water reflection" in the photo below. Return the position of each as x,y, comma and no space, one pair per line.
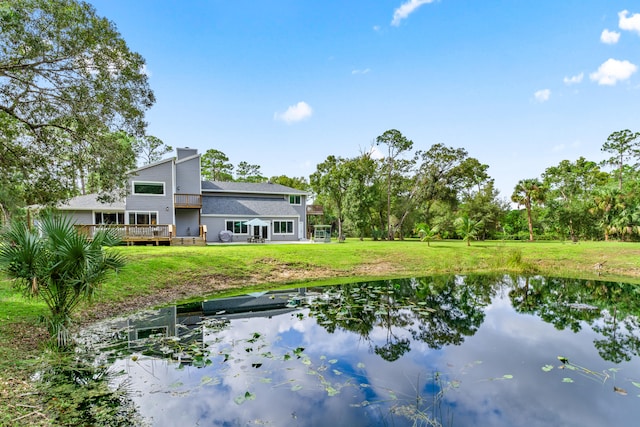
446,350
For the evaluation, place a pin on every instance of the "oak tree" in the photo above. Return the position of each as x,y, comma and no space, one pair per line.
68,81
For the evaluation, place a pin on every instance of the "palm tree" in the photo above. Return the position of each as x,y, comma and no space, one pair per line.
527,192
607,203
58,264
468,228
626,221
426,232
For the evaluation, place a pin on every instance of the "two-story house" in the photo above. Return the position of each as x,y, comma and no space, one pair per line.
167,202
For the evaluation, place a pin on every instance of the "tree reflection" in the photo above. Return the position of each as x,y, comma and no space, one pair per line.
456,308
439,310
610,308
389,315
620,341
443,310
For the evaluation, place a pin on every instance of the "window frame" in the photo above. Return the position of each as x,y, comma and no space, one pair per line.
151,215
295,199
243,227
277,227
160,183
119,216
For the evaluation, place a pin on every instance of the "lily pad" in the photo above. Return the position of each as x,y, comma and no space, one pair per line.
332,391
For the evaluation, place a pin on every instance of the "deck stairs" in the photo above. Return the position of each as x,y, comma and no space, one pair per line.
188,241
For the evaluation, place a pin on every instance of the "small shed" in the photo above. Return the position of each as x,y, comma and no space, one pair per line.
322,233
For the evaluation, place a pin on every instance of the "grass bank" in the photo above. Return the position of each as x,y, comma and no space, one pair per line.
158,275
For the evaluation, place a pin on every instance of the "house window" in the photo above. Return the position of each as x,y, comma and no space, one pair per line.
295,200
237,227
109,217
143,218
154,188
282,227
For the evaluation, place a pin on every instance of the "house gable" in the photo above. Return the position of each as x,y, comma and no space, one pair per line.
151,190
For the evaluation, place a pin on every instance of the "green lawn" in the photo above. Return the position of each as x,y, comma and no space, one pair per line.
158,275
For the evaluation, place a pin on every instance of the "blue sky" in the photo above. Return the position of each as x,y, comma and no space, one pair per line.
520,85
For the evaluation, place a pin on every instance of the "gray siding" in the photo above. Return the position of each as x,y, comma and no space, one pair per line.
216,223
215,226
187,222
163,204
183,153
188,176
80,217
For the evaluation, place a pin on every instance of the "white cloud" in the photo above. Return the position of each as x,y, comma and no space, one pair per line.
542,95
376,28
406,9
612,71
295,113
629,24
558,148
609,37
573,79
365,71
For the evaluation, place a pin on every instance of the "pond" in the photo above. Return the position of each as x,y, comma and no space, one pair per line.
446,350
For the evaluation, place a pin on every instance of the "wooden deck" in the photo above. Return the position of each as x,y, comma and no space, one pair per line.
193,201
161,234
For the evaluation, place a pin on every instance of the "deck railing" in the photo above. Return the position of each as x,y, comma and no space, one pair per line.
187,200
131,232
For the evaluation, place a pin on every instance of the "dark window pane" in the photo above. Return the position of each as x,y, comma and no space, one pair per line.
148,188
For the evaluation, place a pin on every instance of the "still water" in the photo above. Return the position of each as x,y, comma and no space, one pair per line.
475,350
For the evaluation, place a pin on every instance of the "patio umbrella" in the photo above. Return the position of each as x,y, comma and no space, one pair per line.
257,222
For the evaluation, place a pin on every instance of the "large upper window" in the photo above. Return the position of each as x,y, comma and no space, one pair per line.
295,200
143,218
237,227
282,227
109,217
155,188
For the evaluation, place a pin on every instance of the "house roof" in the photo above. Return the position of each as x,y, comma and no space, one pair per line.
248,187
90,202
151,165
247,206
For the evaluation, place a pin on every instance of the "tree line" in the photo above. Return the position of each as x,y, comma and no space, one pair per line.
443,192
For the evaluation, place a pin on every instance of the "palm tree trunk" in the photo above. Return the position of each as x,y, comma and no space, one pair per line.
530,222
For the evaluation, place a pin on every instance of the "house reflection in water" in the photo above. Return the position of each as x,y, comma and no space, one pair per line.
162,323
163,331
